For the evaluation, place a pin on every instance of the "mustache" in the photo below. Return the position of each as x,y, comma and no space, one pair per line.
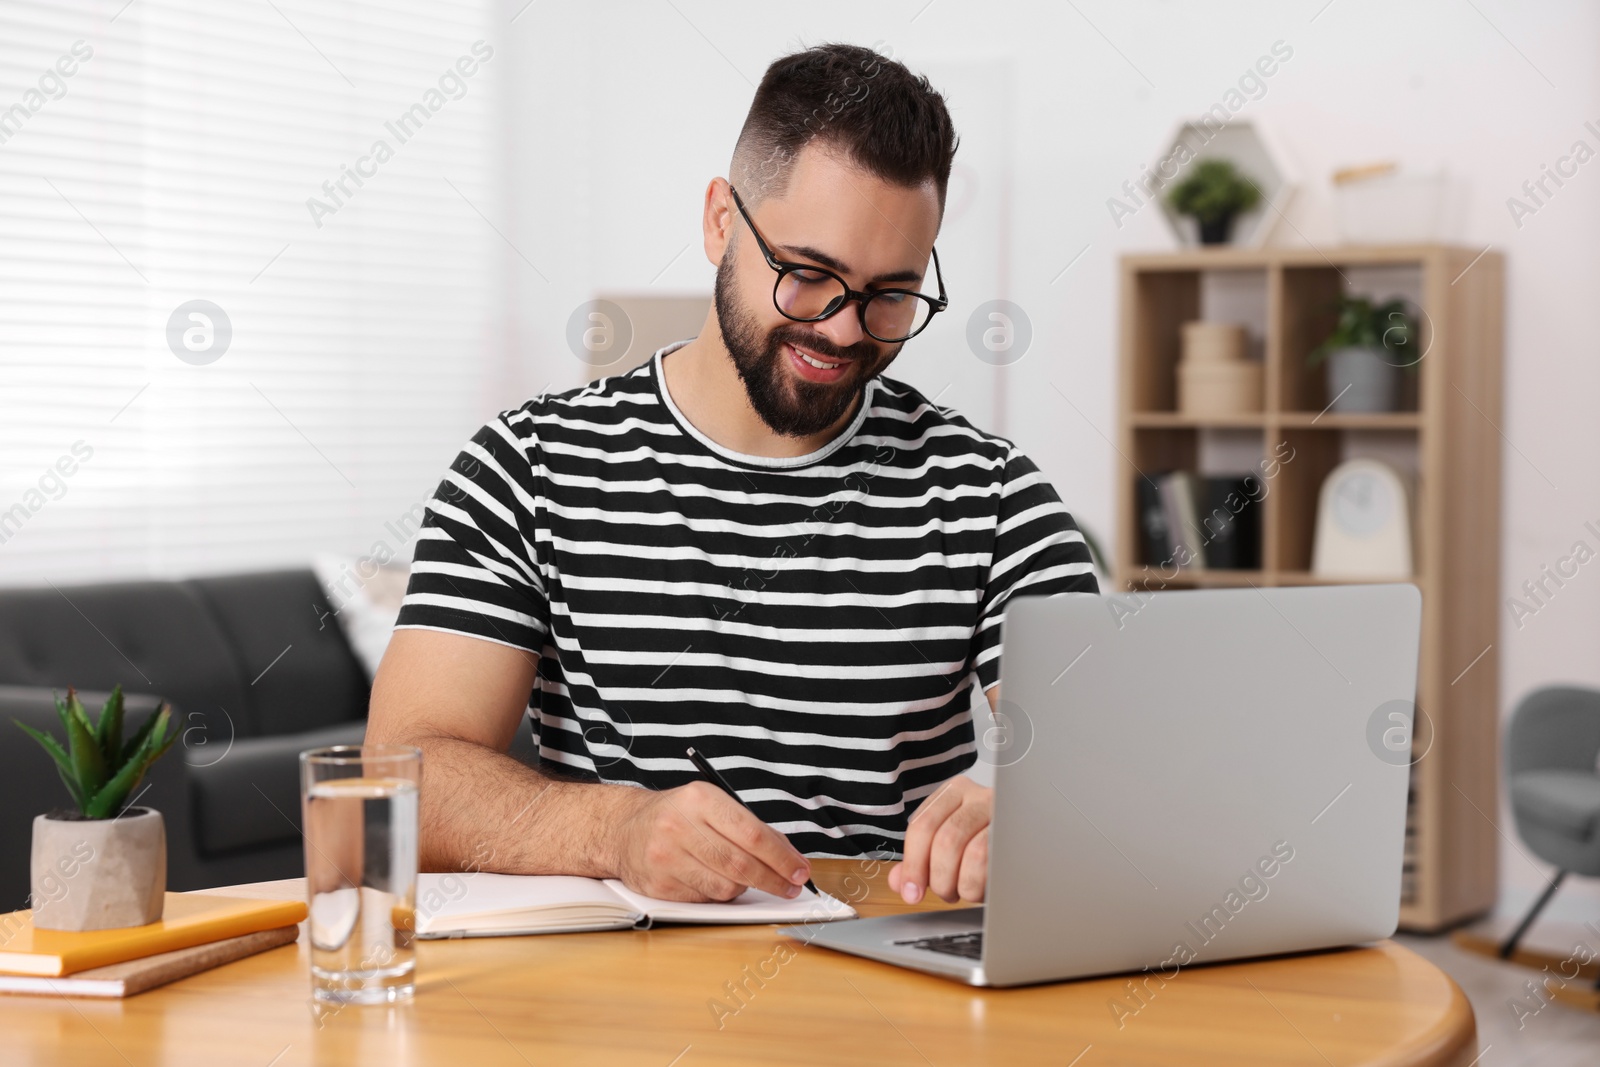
863,350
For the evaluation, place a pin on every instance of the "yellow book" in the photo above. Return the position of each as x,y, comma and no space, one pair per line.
187,919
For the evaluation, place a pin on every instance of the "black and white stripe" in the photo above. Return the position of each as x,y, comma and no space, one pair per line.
813,625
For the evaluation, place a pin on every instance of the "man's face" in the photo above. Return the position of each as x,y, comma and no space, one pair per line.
834,215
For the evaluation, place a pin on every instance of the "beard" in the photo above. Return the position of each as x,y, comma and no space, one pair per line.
789,405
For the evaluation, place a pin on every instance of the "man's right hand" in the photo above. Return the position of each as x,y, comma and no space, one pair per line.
697,843
460,699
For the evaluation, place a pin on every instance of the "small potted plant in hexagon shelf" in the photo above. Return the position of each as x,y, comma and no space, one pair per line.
105,865
1214,193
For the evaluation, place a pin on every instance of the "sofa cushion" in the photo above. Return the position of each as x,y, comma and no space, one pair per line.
297,666
151,637
1567,802
250,797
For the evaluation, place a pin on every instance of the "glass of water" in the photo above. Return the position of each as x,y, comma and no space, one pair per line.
359,803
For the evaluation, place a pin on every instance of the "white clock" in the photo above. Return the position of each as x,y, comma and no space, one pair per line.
1363,523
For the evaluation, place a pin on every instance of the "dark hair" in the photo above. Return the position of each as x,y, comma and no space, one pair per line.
883,118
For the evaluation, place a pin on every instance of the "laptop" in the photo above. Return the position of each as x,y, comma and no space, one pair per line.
1181,778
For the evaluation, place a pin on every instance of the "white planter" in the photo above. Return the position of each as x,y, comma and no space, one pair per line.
99,874
1362,380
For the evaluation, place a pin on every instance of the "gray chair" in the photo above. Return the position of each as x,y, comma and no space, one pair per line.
1551,751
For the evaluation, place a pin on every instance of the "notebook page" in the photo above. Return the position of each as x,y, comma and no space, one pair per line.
751,906
514,901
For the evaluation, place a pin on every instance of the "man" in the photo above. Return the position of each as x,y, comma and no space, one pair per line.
753,545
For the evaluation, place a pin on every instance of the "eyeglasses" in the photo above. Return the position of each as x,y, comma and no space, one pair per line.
806,293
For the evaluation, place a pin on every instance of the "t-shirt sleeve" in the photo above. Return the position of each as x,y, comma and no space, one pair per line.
475,569
1038,551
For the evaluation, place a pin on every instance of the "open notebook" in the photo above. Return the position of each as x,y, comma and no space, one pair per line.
490,905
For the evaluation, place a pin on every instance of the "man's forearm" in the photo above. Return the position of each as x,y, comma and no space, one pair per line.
460,699
483,809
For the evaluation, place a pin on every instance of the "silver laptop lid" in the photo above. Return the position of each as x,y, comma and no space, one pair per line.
1196,776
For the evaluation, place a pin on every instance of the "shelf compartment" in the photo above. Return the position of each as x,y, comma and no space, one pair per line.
1306,457
1158,303
1293,501
1307,315
1211,450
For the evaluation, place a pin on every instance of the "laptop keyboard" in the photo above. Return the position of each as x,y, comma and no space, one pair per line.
967,946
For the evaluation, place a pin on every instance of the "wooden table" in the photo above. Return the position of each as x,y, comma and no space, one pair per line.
651,998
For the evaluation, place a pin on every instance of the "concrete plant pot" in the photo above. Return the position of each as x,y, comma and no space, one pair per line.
99,874
1363,380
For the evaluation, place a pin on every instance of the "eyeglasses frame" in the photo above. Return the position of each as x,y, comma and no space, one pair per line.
785,268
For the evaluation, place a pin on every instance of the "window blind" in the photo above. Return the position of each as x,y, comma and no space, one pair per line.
328,176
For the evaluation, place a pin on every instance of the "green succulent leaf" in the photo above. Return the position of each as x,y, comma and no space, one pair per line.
109,799
98,770
141,734
77,712
108,731
72,787
51,745
88,763
64,765
63,713
108,802
162,740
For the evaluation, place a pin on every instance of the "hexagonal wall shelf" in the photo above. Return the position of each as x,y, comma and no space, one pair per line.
1248,147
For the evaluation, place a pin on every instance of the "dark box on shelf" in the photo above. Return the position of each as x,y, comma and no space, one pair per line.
1230,518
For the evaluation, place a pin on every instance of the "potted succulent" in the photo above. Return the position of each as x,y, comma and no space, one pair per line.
105,865
1369,346
1214,194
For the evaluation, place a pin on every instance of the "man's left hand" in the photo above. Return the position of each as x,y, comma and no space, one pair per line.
947,845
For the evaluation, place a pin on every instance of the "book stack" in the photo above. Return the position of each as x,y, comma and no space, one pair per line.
197,931
1192,522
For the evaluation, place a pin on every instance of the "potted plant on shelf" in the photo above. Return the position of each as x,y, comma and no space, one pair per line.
1213,195
1369,346
105,865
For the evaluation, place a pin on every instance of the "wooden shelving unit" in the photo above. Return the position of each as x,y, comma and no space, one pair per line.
1447,435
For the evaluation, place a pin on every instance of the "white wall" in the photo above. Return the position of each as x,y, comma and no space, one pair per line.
624,109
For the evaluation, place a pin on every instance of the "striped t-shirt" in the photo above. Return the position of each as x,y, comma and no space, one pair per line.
813,625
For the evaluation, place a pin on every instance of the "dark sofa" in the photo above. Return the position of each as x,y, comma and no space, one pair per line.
256,669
